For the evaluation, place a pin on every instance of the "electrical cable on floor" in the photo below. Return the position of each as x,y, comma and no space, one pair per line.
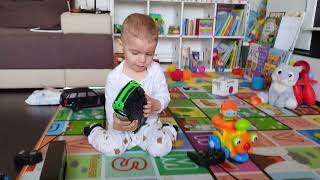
49,141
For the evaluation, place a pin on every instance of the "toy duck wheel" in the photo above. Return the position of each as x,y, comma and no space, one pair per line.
214,142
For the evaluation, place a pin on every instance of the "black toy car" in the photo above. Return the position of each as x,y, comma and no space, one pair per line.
78,98
27,158
208,157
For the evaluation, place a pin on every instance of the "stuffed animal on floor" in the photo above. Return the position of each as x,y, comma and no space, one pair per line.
128,105
281,90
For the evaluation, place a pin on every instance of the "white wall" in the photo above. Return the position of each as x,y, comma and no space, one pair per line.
309,6
89,4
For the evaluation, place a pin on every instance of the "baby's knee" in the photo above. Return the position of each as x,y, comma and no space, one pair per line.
115,145
160,147
108,143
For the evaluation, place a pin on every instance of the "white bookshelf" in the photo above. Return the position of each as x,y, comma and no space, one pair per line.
173,12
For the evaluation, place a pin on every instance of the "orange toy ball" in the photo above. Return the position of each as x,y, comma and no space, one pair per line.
256,100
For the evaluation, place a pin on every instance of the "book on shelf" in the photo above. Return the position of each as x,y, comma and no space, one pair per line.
269,32
194,59
252,60
229,22
228,52
274,58
205,27
185,56
262,58
199,27
222,17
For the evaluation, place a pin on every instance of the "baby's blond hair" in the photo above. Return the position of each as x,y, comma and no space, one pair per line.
140,26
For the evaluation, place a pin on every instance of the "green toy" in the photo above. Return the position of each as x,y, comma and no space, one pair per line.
157,18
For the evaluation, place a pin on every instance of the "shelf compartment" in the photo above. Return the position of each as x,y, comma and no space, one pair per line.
172,15
202,46
124,8
168,50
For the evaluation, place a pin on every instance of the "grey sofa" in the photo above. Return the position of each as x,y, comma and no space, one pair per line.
37,59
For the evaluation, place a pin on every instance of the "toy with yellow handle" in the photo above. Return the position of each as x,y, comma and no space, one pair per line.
237,145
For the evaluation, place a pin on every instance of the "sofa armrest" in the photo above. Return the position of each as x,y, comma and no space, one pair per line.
86,23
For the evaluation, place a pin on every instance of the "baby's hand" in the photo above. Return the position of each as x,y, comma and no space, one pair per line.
152,105
147,109
124,125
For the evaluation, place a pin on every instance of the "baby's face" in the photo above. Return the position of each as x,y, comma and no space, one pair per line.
138,52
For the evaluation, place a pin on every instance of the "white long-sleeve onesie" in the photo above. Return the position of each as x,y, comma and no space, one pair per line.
152,137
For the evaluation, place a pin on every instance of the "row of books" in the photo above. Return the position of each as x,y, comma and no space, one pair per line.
263,60
228,53
229,23
198,27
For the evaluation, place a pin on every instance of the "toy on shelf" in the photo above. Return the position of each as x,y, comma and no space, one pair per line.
117,28
231,134
157,18
174,30
224,86
194,61
303,90
176,75
217,61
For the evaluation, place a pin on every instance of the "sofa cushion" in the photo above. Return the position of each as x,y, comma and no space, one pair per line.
31,13
87,51
23,49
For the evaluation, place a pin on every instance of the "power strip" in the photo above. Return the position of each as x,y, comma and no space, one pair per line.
55,162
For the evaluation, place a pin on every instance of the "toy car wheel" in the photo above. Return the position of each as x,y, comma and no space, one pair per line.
214,142
75,107
226,152
216,157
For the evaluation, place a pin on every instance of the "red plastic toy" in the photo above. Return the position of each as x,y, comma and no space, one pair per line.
176,75
237,71
303,89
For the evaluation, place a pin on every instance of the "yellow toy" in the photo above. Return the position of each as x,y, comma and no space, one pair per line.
171,68
236,142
